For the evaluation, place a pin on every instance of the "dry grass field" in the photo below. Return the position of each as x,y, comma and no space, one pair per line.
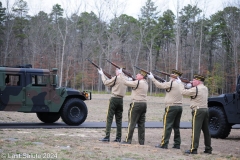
83,144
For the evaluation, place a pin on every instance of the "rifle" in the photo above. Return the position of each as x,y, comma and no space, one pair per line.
185,80
155,76
123,70
106,74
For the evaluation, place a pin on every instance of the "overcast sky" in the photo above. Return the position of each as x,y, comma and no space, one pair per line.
129,7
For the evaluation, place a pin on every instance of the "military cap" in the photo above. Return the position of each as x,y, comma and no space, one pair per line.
143,73
176,72
123,67
199,77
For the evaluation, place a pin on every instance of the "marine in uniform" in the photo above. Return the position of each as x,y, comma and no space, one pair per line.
138,107
118,90
173,109
200,115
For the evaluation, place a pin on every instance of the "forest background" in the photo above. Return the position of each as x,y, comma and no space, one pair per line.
188,41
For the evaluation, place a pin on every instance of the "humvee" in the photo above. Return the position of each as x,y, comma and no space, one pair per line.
31,90
224,112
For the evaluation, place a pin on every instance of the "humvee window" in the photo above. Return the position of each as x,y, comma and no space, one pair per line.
39,80
12,80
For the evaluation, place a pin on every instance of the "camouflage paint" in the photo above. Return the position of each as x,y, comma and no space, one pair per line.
29,98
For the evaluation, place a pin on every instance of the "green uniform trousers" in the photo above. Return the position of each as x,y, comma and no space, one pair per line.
171,120
200,122
137,115
115,108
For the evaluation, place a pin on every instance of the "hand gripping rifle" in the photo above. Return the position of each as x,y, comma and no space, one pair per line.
106,74
123,70
185,80
155,76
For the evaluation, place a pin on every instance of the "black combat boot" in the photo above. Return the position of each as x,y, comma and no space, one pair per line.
161,146
117,140
105,139
176,146
191,152
208,152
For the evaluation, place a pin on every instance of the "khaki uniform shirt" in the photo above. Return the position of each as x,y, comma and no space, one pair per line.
201,101
139,94
119,89
174,97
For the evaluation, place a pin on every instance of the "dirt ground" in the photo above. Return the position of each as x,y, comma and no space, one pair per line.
83,144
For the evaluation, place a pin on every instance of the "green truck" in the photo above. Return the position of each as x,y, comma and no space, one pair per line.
32,90
224,112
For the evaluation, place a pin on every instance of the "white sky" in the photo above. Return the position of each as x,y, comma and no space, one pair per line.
129,7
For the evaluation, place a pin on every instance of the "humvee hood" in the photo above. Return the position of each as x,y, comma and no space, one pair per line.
71,91
64,91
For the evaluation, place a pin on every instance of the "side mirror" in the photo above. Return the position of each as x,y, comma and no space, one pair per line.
238,89
55,80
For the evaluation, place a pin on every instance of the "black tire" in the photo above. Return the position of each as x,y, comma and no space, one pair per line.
48,117
218,124
74,112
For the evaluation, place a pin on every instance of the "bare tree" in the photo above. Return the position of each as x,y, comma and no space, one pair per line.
8,33
177,36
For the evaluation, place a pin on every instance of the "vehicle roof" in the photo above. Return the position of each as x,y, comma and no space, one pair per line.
35,70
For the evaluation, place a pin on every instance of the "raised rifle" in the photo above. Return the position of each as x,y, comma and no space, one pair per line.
185,80
106,74
155,76
123,70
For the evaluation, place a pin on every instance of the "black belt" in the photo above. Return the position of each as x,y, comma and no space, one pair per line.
117,95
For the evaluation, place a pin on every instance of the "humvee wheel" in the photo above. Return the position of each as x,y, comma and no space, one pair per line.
74,112
218,125
48,117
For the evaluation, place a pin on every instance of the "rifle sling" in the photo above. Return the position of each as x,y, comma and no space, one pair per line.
114,81
137,86
196,94
168,90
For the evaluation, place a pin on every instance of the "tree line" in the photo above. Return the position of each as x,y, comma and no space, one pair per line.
188,41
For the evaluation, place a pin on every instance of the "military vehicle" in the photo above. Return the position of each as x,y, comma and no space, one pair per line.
224,112
31,90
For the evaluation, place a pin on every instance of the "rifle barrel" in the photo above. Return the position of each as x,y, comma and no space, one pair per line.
105,73
93,63
165,73
185,80
155,76
123,70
